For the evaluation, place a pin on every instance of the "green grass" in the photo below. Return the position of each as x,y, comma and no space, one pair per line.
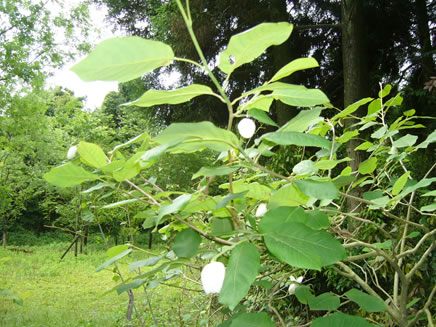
71,293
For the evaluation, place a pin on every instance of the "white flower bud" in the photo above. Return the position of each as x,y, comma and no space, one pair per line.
212,277
294,284
72,152
246,128
261,210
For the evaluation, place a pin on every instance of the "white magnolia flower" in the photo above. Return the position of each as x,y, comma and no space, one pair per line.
295,282
261,210
72,152
212,277
246,128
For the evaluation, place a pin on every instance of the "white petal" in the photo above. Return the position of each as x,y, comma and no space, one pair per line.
293,279
246,128
72,152
212,277
300,279
292,288
261,210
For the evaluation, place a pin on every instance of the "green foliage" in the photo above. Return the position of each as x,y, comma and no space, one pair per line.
306,226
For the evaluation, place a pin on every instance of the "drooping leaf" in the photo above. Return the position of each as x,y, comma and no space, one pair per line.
405,141
430,139
339,319
116,250
157,97
123,59
247,46
91,155
186,243
300,97
118,204
221,226
300,246
368,166
303,120
241,272
400,183
294,138
317,189
303,294
149,262
177,205
293,66
351,108
305,167
262,117
289,196
259,319
275,217
197,136
365,301
344,138
113,259
214,171
69,175
261,102
228,198
325,301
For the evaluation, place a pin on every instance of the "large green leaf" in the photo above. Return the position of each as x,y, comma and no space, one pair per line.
365,301
275,217
317,189
69,175
241,272
303,120
406,140
130,169
186,243
300,97
293,66
339,319
325,301
259,319
400,183
368,166
197,136
294,138
247,46
287,196
123,59
430,139
303,247
92,155
156,97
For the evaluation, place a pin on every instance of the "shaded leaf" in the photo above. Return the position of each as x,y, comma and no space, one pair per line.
157,97
186,243
325,301
241,272
339,319
294,138
317,189
365,301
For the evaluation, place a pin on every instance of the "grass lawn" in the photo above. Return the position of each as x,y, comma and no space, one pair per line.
70,292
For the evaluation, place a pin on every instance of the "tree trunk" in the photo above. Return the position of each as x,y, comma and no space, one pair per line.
356,77
5,238
427,63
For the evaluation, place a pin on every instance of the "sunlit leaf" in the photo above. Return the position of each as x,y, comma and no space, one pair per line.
69,175
92,155
293,66
123,59
248,45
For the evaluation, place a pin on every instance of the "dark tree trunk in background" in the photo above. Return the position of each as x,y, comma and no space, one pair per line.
356,75
4,239
422,20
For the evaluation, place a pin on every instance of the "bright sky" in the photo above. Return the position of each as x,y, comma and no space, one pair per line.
94,91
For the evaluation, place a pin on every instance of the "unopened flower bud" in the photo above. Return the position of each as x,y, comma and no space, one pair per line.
246,128
212,277
72,152
261,210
